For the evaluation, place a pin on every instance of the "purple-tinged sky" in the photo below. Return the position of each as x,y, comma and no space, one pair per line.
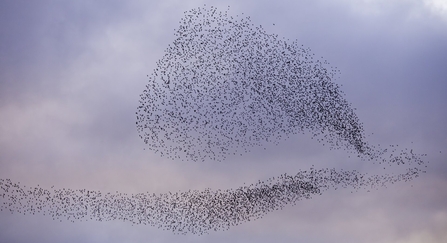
71,73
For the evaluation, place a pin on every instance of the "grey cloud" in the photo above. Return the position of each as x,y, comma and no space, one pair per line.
392,72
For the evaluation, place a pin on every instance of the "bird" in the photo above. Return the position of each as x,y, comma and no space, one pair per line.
223,87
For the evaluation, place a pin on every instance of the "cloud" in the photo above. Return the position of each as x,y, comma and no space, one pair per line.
77,76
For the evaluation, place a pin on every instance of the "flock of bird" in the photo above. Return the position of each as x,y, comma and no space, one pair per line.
225,86
222,87
196,212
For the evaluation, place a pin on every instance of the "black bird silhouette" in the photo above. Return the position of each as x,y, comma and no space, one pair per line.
223,87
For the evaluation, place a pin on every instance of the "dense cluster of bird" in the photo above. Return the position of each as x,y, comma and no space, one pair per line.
223,87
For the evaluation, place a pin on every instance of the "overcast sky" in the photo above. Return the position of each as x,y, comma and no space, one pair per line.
71,73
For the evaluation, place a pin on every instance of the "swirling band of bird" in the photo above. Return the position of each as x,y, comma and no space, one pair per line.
225,86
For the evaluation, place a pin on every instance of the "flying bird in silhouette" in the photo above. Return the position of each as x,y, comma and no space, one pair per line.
222,87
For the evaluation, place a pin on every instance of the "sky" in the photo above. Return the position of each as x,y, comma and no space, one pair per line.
71,73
